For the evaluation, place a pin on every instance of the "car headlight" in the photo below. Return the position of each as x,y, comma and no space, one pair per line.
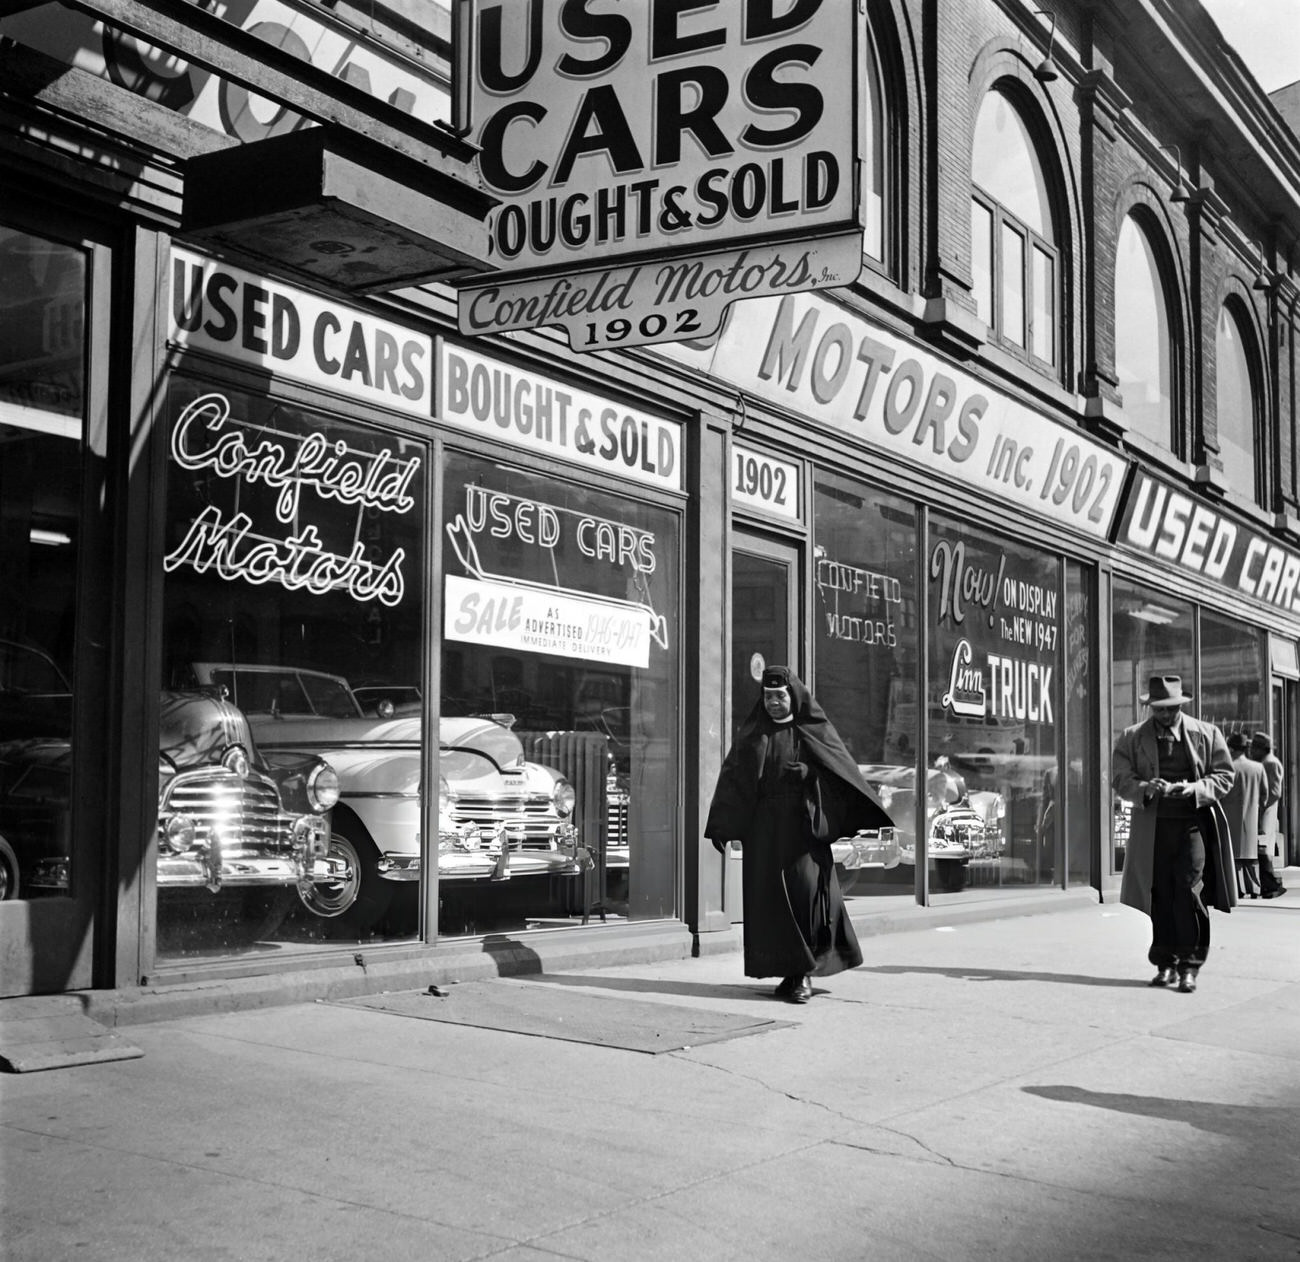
235,759
446,798
177,833
323,787
564,797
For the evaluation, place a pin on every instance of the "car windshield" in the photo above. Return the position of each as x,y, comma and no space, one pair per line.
287,692
25,670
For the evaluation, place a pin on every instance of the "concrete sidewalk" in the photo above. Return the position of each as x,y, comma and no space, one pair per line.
1008,1089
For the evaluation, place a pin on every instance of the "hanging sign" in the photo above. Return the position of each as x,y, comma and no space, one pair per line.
702,152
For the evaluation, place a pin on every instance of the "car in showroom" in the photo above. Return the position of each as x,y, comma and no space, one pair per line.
961,826
500,815
229,815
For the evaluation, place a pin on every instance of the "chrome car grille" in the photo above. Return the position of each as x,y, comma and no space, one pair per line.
530,821
245,813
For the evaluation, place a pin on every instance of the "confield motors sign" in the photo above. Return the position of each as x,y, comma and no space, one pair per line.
698,152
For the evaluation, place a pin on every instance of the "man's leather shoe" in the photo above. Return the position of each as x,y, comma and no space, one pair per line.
802,992
1186,983
1164,977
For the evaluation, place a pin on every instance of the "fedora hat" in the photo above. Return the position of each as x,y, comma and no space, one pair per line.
1165,690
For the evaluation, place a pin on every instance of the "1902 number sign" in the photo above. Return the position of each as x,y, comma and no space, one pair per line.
763,482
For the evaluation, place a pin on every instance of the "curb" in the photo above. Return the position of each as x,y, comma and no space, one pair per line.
406,967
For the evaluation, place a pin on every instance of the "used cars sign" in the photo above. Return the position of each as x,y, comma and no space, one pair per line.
696,152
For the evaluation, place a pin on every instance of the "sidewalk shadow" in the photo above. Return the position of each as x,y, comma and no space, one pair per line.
968,974
1247,1122
645,985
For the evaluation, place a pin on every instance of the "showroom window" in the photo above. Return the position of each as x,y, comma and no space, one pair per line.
1015,259
290,759
1143,346
561,629
865,648
1236,406
994,660
1233,679
42,406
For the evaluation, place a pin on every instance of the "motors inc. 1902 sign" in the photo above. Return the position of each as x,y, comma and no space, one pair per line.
657,160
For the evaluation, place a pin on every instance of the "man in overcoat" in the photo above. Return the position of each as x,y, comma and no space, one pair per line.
1175,770
1244,807
1261,750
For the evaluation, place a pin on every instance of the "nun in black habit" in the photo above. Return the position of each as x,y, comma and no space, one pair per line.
788,788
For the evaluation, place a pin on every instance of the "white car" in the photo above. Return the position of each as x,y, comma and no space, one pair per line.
961,825
500,815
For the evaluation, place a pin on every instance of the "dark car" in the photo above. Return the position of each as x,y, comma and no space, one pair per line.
228,817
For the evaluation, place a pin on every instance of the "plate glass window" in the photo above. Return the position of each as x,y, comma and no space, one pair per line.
42,408
865,665
561,630
995,655
290,749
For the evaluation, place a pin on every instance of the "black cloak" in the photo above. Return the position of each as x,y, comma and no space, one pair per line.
795,922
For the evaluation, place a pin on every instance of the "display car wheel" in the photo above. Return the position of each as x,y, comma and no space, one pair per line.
9,878
355,902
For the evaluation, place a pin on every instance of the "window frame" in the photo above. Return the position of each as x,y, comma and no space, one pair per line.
1002,221
1252,353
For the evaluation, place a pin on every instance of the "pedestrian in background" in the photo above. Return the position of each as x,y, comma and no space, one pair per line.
788,788
1261,750
1244,806
1175,770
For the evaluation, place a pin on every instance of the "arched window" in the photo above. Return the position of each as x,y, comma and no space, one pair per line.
1143,347
1236,405
875,157
1014,255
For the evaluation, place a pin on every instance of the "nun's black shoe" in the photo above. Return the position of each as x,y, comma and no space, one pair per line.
787,986
802,991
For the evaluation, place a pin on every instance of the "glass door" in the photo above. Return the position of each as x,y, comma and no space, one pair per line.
764,632
764,617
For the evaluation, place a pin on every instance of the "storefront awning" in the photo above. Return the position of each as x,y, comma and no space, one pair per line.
336,209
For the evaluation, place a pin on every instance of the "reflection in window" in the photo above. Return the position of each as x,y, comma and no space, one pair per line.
874,157
1236,407
42,407
560,621
1143,351
1080,826
1234,675
290,804
865,663
995,655
1015,258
